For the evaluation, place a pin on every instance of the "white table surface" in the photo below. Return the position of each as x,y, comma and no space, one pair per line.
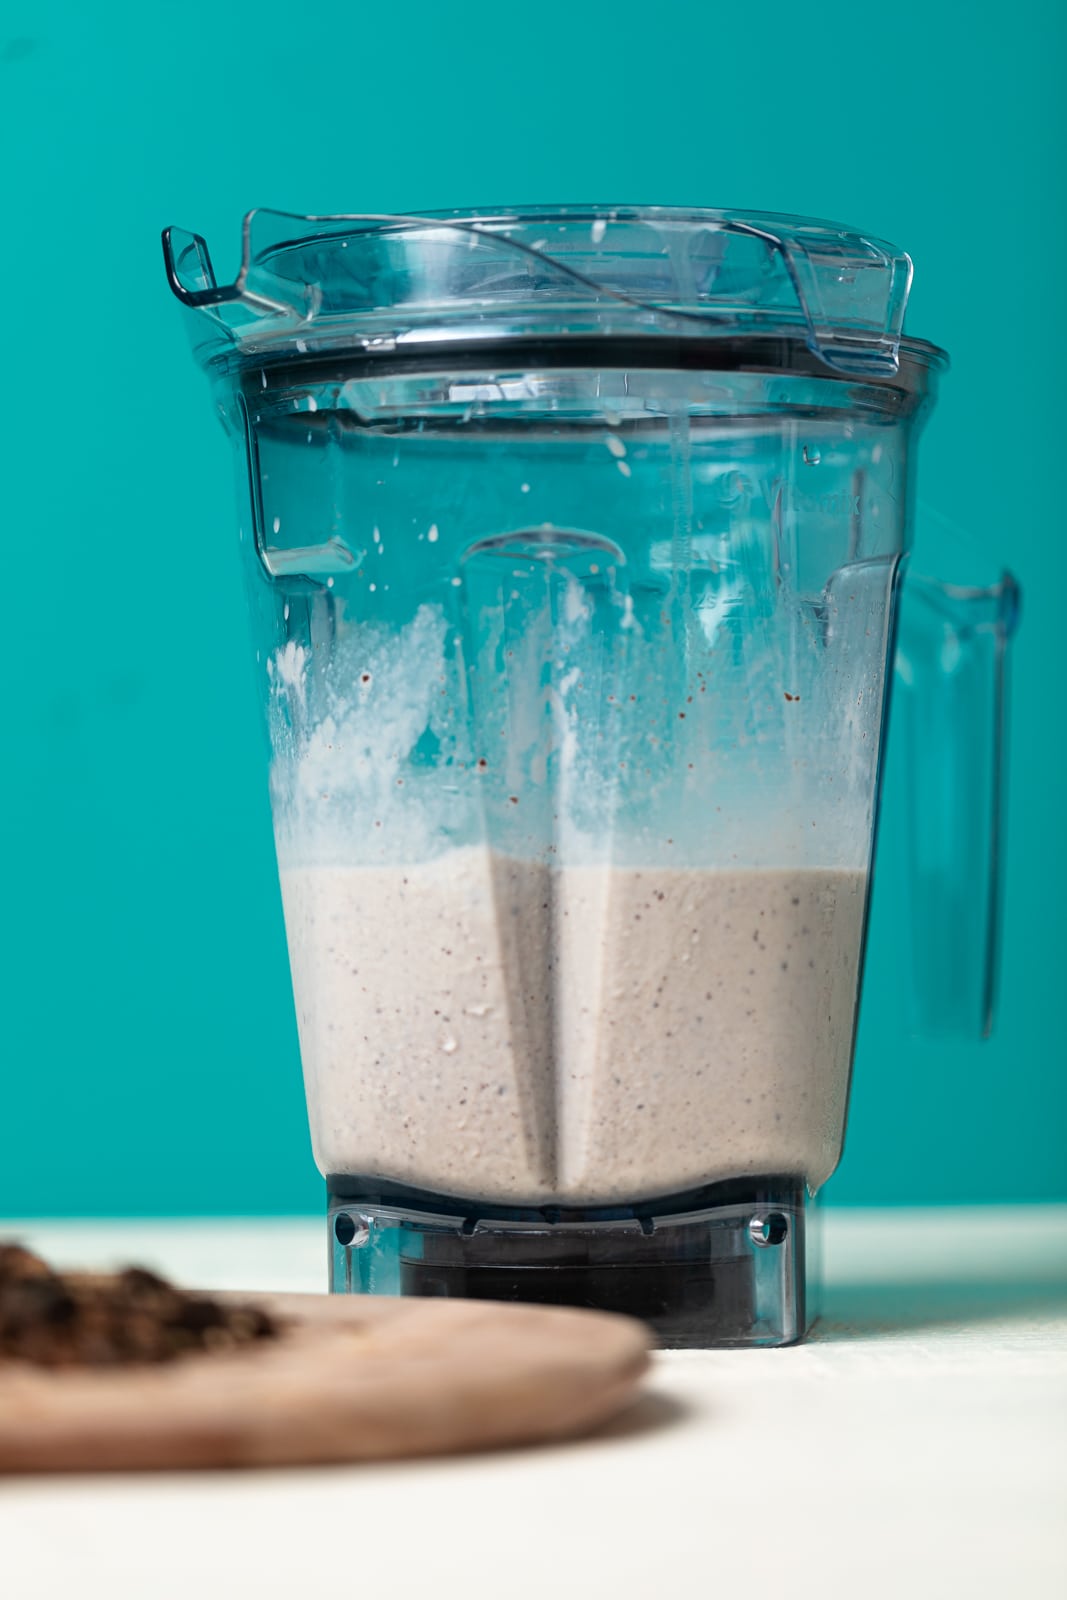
915,1447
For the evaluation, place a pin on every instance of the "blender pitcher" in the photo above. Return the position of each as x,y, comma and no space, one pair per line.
573,541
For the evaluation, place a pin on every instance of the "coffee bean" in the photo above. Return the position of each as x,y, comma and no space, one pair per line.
135,1316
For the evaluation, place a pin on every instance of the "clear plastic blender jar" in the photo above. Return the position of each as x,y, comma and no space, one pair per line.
574,543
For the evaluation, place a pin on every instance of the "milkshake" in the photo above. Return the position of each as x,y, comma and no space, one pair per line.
493,1028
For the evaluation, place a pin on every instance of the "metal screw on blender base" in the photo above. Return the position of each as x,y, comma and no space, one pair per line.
348,1231
768,1230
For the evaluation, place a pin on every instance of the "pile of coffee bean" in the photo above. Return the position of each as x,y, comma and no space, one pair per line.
78,1319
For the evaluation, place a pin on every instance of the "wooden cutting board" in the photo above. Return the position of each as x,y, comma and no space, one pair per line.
355,1379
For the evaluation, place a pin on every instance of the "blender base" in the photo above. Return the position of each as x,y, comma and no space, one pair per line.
719,1267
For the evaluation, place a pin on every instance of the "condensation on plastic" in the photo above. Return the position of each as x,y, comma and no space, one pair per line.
380,285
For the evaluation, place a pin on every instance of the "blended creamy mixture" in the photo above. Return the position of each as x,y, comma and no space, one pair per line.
492,1028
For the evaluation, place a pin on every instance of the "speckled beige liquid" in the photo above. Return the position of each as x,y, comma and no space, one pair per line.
489,1028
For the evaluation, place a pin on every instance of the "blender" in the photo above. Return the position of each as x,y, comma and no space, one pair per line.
575,545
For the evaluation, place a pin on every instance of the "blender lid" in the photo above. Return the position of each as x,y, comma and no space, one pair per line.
381,284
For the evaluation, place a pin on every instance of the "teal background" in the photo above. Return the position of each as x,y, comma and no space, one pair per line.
150,1056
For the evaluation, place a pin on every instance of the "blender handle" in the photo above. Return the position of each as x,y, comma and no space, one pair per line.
949,703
